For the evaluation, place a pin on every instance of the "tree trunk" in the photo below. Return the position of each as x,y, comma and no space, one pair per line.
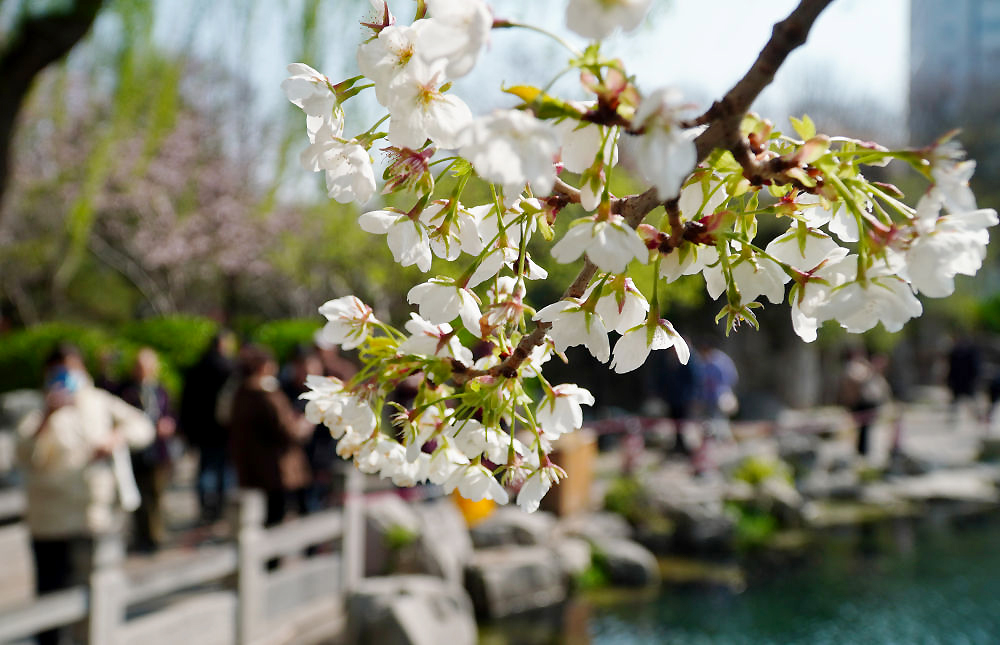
39,41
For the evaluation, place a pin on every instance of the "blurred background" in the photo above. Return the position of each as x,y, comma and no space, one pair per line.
151,197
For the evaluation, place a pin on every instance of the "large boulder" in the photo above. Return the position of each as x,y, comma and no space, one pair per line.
444,546
409,610
778,497
512,526
429,538
626,563
596,525
514,579
573,555
392,528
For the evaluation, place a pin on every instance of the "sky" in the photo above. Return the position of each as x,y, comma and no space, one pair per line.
857,50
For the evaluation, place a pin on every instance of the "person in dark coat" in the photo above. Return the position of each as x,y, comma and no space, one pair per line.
267,435
964,371
152,464
203,383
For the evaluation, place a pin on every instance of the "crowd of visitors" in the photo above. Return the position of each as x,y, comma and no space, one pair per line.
100,450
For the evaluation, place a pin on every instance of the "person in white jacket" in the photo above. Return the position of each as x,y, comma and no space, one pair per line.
74,455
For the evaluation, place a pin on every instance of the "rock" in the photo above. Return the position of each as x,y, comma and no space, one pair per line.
840,484
702,527
409,610
958,485
901,463
801,451
392,528
511,526
444,546
595,525
990,447
782,500
573,555
514,579
626,563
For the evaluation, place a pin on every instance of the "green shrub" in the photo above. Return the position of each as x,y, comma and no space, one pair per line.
283,336
626,497
23,352
754,470
754,527
179,340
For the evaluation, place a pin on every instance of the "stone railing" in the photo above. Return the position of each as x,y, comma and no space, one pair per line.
217,594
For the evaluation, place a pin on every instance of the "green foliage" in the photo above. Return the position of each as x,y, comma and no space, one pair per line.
755,470
754,527
178,339
398,537
626,497
594,576
283,336
23,352
989,313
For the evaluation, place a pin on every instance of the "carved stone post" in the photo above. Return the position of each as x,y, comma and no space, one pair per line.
250,574
108,591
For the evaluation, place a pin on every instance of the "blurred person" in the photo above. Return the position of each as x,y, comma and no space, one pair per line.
267,435
718,379
104,376
964,367
321,446
333,363
862,390
679,386
152,464
77,476
203,383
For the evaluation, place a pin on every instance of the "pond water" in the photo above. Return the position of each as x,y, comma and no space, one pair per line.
900,582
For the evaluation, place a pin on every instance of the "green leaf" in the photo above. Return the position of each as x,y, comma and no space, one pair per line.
804,126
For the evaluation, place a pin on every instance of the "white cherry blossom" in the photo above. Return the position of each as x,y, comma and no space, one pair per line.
513,148
456,32
687,259
581,142
664,153
633,348
609,242
441,300
386,58
433,340
310,90
475,483
805,252
701,198
536,485
945,246
349,174
572,325
407,238
597,19
622,308
559,412
349,321
419,110
474,439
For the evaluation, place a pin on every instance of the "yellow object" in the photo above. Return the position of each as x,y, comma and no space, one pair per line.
473,512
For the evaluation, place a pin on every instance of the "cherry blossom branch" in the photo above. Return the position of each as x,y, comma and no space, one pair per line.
725,115
723,119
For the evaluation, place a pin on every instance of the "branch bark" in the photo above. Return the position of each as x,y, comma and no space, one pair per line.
41,40
723,119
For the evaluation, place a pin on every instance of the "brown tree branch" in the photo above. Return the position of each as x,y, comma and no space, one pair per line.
725,115
723,119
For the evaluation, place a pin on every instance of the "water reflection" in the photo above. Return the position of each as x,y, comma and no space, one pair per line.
896,582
